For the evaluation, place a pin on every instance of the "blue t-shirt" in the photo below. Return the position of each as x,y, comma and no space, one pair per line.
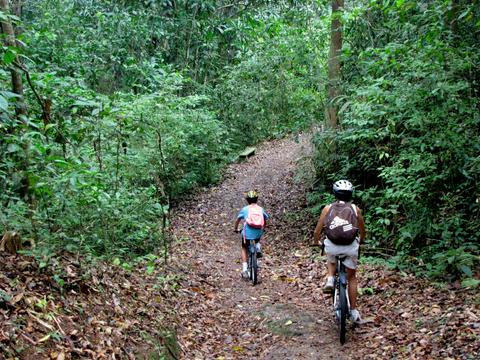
250,232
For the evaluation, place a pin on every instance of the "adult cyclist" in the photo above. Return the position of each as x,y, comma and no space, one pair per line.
254,220
343,191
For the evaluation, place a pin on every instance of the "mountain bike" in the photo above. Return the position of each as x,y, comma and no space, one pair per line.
341,303
252,261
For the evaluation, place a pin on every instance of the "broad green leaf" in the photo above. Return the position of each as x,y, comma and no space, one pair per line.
466,270
3,103
471,283
9,57
11,148
85,103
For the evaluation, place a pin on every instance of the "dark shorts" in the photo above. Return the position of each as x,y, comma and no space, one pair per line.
244,243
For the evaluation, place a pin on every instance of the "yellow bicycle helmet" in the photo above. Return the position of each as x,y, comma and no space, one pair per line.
252,194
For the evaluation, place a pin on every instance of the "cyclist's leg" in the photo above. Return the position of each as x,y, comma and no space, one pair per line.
352,287
351,262
331,268
351,265
244,253
244,256
331,265
331,261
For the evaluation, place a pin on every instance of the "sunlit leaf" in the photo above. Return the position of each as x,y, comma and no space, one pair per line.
9,57
3,103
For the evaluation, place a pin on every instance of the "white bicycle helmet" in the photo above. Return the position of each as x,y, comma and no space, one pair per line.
342,186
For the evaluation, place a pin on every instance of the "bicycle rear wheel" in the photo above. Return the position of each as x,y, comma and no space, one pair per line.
254,268
343,309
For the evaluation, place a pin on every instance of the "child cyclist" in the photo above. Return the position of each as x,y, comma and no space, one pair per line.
254,220
344,228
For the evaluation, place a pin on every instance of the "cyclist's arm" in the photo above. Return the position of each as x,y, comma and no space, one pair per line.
361,226
319,228
265,219
237,222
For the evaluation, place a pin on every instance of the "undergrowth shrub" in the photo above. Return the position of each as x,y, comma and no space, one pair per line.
133,104
409,134
105,189
277,87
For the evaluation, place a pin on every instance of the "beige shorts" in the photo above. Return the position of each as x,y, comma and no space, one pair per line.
350,251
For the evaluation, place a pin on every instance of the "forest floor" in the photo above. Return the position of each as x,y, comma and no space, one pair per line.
287,316
66,306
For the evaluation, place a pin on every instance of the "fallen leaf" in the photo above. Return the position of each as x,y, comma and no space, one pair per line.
45,338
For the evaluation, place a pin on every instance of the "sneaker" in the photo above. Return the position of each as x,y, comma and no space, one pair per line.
259,251
328,287
245,274
355,316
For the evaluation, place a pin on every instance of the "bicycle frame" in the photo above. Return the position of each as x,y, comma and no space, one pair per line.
341,277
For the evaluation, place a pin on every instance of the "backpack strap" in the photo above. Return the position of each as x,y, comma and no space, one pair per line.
355,209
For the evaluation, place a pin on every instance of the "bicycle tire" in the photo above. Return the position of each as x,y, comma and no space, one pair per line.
342,321
254,268
250,263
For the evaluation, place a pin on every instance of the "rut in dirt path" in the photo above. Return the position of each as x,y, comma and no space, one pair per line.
285,316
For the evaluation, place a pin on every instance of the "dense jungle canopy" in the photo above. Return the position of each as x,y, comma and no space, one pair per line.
112,111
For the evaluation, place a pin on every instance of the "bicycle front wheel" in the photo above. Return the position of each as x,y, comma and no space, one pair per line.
342,321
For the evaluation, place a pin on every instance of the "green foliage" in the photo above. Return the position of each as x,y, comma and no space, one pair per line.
106,189
410,128
454,262
133,104
276,87
471,283
119,45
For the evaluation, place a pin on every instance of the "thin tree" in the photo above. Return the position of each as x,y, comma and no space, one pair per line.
17,84
334,69
20,109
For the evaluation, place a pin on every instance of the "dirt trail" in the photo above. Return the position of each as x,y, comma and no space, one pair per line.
285,316
104,310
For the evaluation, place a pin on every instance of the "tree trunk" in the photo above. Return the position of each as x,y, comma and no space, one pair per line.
189,38
20,110
17,84
331,113
17,6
